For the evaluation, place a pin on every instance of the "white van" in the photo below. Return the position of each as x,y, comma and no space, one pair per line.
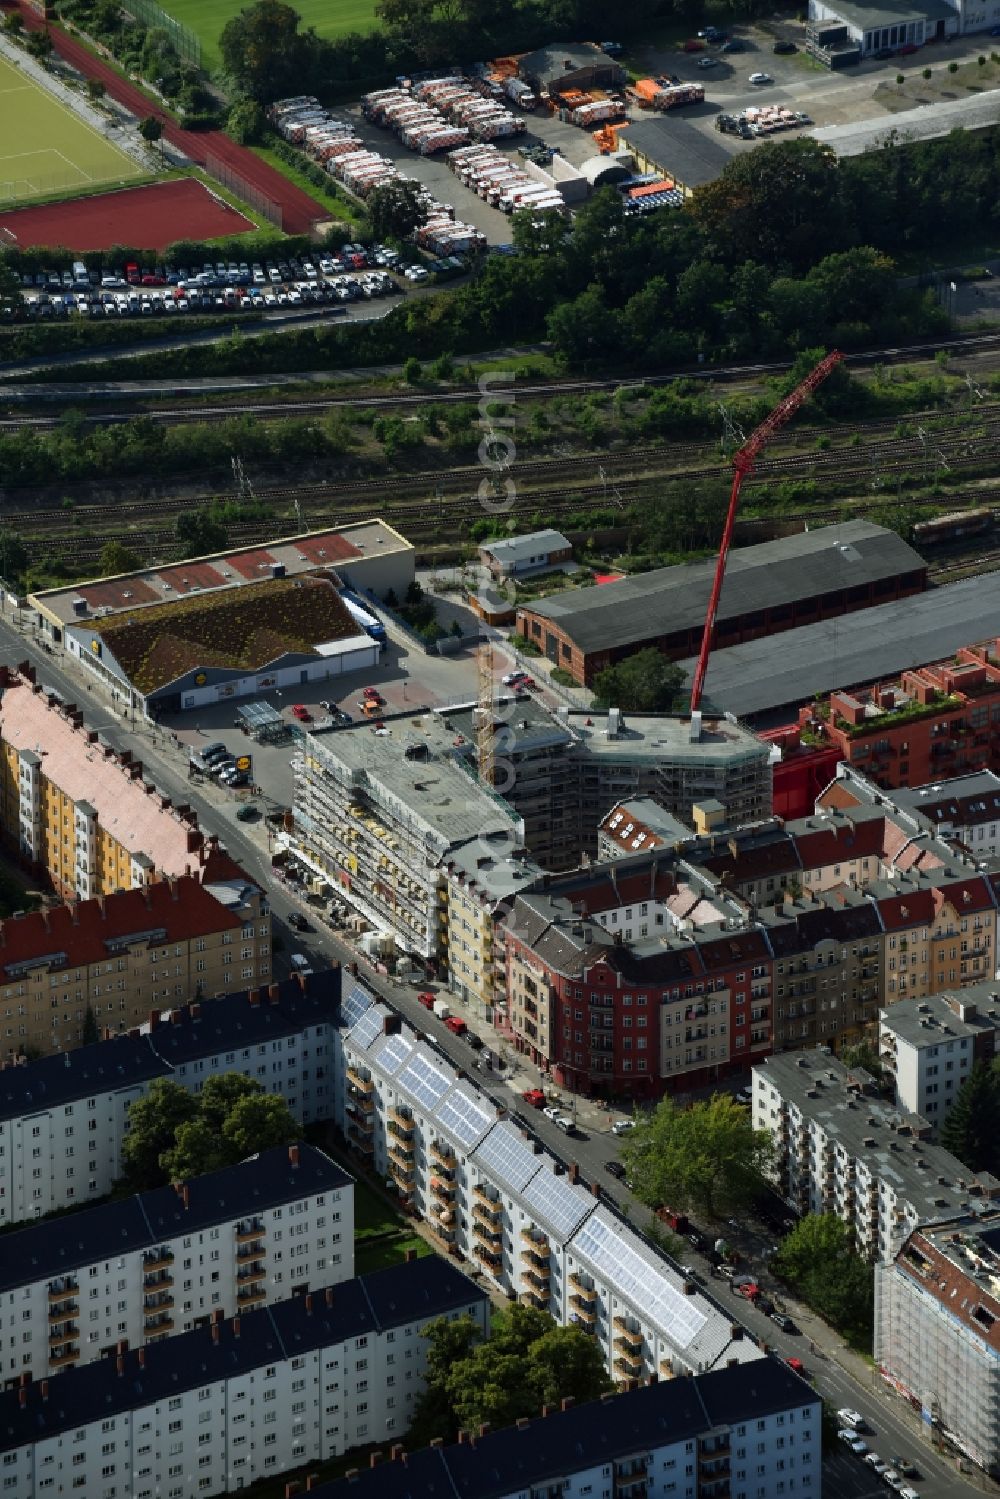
80,273
300,963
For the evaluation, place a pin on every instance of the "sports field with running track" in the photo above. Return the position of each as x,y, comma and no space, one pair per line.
331,18
46,148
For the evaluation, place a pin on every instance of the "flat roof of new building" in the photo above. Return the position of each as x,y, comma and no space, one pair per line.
678,148
305,552
670,599
662,736
865,17
948,1016
780,670
887,1139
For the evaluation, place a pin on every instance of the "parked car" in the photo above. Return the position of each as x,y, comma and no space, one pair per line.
908,1469
708,62
513,678
784,48
474,1041
535,1097
372,695
796,1364
874,1461
853,1419
855,1443
784,1322
622,1126
298,921
301,712
760,78
246,813
456,1025
426,998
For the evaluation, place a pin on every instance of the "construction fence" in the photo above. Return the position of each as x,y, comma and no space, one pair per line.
267,207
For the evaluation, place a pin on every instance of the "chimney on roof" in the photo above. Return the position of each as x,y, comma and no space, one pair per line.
566,1402
409,1256
121,1365
195,1011
141,1353
176,1016
174,891
147,897
312,1479
236,1327
329,1295
309,1304
573,1172
436,1442
274,993
485,1429
293,1155
292,1487
547,1410
45,1389
215,1332
154,1019
376,1457
397,1452
22,1397
100,902
91,736
186,1196
522,1424
254,997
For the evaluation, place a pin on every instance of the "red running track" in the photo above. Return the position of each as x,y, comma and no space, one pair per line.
299,211
151,217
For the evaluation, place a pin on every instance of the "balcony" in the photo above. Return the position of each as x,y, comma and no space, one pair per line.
580,1290
537,1276
360,1138
399,1123
248,1294
249,1232
153,1304
160,1259
442,1189
628,1337
161,1329
248,1252
64,1314
359,1084
63,1334
629,1365
401,1163
488,1255
537,1297
491,1207
584,1313
443,1155
491,1233
714,1447
60,1360
63,1293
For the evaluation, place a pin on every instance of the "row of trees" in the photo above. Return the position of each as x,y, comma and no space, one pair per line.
174,1134
818,1262
708,1158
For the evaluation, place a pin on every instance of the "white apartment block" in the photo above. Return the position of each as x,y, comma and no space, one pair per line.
714,1434
164,1261
216,1409
489,1191
63,1118
930,1046
842,1149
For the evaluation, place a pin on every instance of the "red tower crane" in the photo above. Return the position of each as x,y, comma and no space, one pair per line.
743,463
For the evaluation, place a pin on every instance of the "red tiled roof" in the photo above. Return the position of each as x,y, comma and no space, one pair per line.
253,564
187,576
840,842
181,908
118,595
328,548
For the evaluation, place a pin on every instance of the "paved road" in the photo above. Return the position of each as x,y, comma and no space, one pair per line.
298,209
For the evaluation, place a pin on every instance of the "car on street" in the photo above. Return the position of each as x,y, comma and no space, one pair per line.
622,1126
298,921
850,1418
874,1461
906,1492
761,78
785,1323
246,813
616,1169
512,678
426,998
551,1112
796,1364
854,1442
708,62
893,1479
456,1025
474,1041
535,1097
908,1469
301,712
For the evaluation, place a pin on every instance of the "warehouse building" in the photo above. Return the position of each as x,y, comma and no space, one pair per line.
898,23
570,66
233,1220
767,679
216,1409
769,589
675,151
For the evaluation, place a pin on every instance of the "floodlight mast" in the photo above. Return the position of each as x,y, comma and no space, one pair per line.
743,464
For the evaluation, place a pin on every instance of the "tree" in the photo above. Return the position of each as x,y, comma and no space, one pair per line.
708,1158
254,1124
526,1362
116,557
246,122
39,44
199,534
395,209
222,1093
644,683
95,90
818,1261
864,1056
13,556
773,205
153,1122
195,1150
971,1129
150,129
90,1032
264,52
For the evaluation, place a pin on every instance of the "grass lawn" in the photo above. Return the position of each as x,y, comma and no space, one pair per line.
46,148
206,18
381,1235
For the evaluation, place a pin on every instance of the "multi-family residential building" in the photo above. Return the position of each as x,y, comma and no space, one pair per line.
122,955
937,1329
841,1148
63,1118
639,825
962,810
214,1410
717,1433
937,721
163,1261
490,1192
930,1046
77,811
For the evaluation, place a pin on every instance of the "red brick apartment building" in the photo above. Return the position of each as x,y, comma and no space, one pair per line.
938,721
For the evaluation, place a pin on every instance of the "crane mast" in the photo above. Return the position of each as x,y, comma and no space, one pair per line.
743,464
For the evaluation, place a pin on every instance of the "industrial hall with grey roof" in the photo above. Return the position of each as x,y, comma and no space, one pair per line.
769,588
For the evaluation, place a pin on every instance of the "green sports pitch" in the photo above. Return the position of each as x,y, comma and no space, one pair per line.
46,148
331,18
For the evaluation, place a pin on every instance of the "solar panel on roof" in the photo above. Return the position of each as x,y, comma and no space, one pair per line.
642,1283
367,1028
508,1157
428,1084
354,1006
556,1203
394,1053
462,1117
